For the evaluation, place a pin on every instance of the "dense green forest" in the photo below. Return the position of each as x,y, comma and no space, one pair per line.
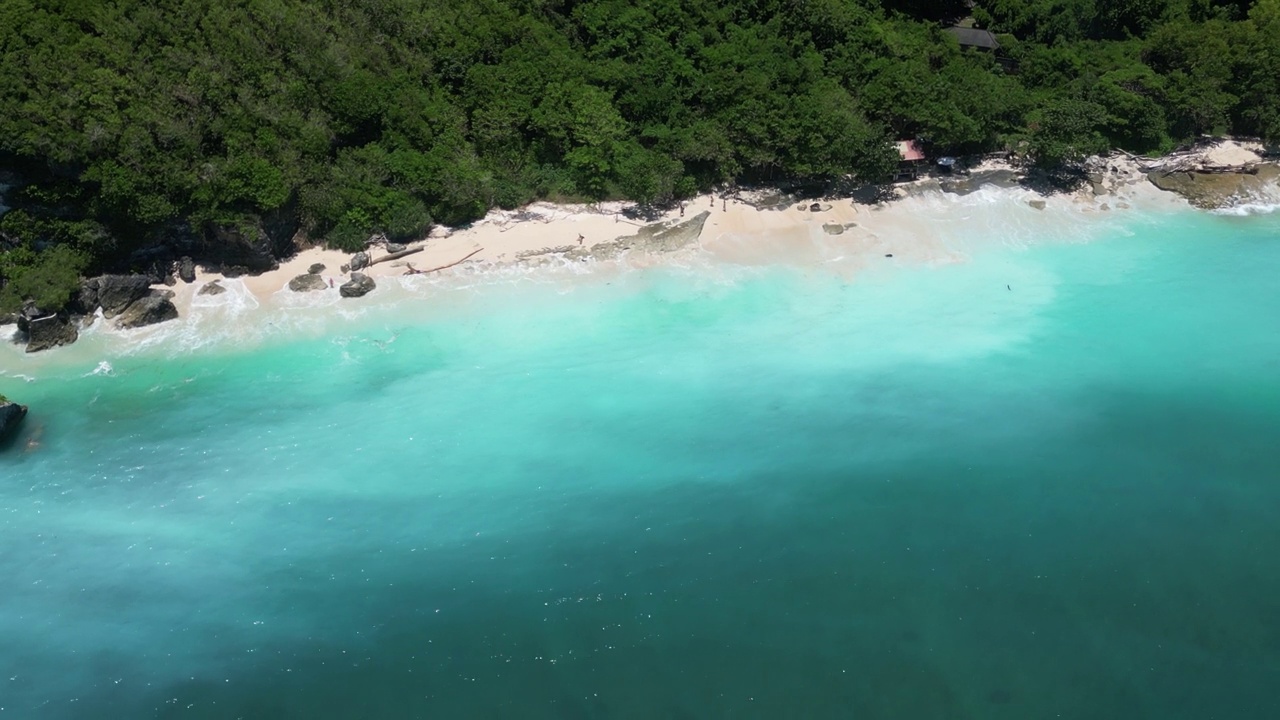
128,123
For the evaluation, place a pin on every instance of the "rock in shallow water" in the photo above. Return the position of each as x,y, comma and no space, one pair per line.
47,332
213,288
11,415
360,284
148,311
307,283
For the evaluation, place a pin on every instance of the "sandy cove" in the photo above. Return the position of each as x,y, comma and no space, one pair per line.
747,228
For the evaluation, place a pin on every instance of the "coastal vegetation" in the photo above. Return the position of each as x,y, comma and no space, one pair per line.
132,131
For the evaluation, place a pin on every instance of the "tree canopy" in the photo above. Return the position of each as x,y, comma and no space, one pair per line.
130,118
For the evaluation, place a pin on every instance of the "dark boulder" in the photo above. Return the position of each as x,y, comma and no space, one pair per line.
393,247
307,283
316,268
360,284
148,311
166,294
113,293
253,244
187,270
46,331
11,415
360,260
213,288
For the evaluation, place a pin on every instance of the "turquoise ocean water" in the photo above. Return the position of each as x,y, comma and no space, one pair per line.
1043,482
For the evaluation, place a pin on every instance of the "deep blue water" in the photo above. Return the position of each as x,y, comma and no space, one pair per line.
1041,483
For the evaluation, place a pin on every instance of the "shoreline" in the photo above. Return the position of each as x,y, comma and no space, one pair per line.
749,228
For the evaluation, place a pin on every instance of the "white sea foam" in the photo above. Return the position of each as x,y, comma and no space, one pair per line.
104,368
1249,208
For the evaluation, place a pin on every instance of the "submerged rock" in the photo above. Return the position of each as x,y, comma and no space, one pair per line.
1037,204
213,288
148,311
11,416
307,283
359,284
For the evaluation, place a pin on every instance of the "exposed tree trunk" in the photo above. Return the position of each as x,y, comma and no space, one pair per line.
397,255
414,271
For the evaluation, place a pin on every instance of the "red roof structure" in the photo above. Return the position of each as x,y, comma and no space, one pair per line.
910,150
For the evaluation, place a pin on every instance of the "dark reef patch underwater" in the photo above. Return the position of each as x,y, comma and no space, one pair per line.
1042,483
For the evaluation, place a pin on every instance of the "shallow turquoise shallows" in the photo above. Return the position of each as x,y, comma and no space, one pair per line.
1040,483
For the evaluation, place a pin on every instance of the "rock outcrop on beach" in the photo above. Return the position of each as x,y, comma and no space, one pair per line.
316,268
149,310
360,261
1210,190
1215,174
11,416
212,288
113,293
307,282
253,245
660,237
44,331
359,285
127,297
187,270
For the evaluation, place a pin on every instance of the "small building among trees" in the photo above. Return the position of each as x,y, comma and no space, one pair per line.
910,157
975,38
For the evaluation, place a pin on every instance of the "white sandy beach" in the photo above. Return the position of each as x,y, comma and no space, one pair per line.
736,231
925,225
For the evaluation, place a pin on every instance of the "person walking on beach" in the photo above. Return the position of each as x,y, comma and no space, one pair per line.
580,238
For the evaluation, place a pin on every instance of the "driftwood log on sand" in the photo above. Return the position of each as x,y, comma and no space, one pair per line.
414,271
398,255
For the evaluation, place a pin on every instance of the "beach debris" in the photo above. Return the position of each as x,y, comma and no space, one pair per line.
187,270
358,286
148,311
212,288
307,282
395,255
316,268
11,415
414,271
360,260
